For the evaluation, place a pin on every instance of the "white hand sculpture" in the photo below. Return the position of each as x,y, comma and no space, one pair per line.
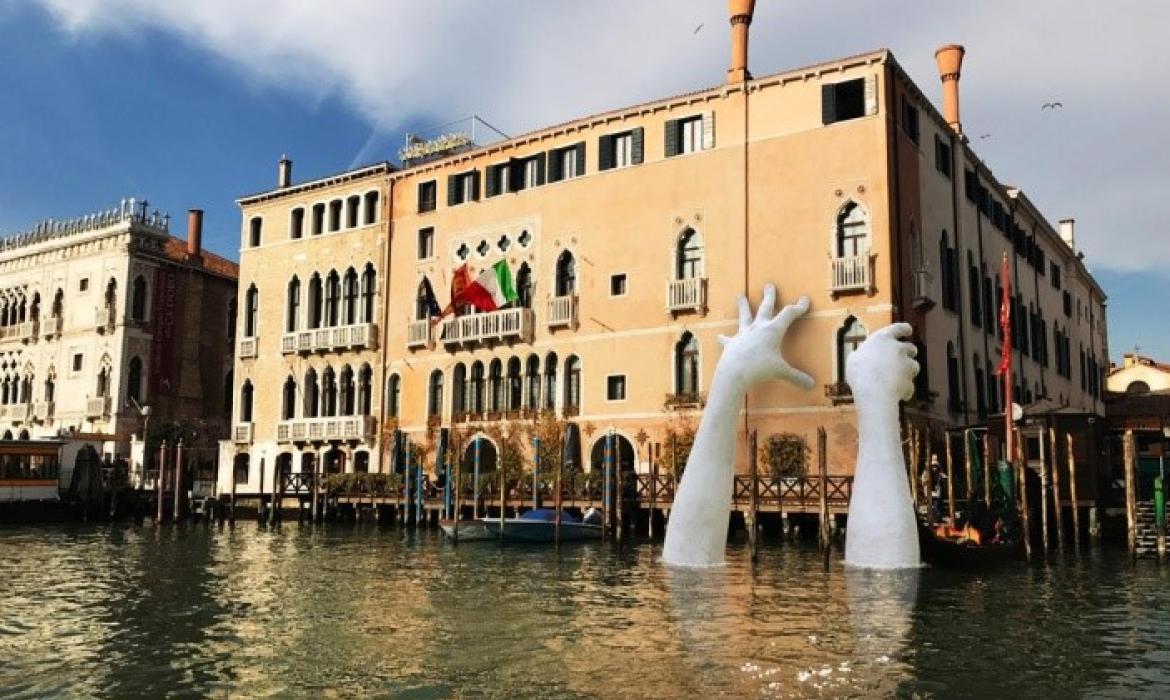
883,531
696,534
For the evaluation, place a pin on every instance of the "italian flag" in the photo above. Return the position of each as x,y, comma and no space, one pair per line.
492,289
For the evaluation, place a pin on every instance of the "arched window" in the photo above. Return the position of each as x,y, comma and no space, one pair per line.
1137,388
314,301
365,390
496,385
312,394
572,384
318,219
852,231
435,394
459,389
352,204
134,380
251,309
138,299
332,298
254,227
335,208
566,274
524,285
35,309
51,386
475,395
532,379
393,392
296,224
974,296
849,337
688,255
328,393
59,303
293,307
371,208
369,287
346,391
246,402
103,382
288,405
954,390
350,294
422,305
550,381
228,392
515,386
686,364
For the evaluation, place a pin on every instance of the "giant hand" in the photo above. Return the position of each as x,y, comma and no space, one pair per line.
696,534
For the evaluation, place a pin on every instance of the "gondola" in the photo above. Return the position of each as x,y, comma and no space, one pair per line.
963,552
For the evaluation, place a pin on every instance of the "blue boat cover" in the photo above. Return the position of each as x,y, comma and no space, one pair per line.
549,515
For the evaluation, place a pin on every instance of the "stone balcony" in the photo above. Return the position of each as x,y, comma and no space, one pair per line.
685,295
242,433
248,348
19,413
853,273
418,334
98,407
508,324
562,311
326,429
357,336
923,290
43,410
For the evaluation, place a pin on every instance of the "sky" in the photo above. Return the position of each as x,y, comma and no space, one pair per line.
191,104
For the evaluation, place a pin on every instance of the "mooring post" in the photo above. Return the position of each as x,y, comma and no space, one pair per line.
475,480
178,482
607,511
314,480
161,482
1072,489
1160,514
619,499
1018,448
1128,455
407,478
536,473
458,493
753,506
232,511
986,470
950,475
823,471
503,496
653,495
968,473
1044,491
1057,510
557,497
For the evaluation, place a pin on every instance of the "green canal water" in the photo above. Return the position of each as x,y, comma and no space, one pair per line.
358,611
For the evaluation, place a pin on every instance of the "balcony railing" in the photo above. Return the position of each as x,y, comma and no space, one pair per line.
418,334
562,311
18,413
247,348
43,410
495,325
923,289
18,331
358,336
288,343
851,273
686,295
51,326
242,432
329,428
839,392
98,407
105,318
29,329
685,400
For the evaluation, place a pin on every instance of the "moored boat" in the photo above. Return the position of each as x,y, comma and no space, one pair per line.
538,525
963,548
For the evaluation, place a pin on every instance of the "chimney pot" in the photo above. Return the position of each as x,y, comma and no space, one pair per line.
740,12
194,233
284,172
950,66
1068,232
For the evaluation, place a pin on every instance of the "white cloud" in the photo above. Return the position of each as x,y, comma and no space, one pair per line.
527,63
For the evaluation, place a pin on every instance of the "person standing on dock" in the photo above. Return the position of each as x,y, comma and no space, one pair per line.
937,479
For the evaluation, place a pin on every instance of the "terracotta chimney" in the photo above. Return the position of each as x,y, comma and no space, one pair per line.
284,172
741,18
1068,232
950,64
194,233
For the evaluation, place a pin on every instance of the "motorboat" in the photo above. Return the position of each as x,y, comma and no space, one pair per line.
537,525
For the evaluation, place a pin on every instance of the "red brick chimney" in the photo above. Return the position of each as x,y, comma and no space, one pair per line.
194,233
741,12
950,64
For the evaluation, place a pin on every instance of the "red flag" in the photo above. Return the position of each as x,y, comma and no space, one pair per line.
459,283
1005,321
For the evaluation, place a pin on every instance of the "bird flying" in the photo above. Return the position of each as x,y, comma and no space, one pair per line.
698,28
985,136
1051,105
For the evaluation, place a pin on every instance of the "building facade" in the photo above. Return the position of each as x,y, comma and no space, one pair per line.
108,313
627,236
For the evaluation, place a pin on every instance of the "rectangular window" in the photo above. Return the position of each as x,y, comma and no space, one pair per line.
533,177
426,243
689,134
296,227
615,387
497,180
1055,275
78,361
83,285
942,156
621,150
1067,304
910,119
617,285
567,162
318,219
428,196
842,101
692,134
462,187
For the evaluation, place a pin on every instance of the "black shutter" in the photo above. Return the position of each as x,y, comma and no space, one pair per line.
605,153
541,162
515,175
638,137
580,158
493,181
670,137
828,104
475,185
452,190
556,165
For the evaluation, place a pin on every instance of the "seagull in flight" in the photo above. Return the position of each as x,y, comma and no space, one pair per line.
698,28
985,136
1051,105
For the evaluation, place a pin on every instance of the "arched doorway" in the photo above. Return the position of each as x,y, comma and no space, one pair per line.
284,464
487,455
334,461
361,462
623,460
307,460
241,463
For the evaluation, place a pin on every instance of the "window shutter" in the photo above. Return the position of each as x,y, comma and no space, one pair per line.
828,104
580,158
670,138
493,181
452,190
709,130
475,185
605,152
639,143
541,162
515,175
871,106
556,165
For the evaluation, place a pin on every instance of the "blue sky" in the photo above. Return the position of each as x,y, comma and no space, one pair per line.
191,104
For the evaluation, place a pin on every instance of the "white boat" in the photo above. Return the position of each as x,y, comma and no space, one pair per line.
538,525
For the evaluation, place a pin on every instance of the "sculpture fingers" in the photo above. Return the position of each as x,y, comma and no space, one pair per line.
745,313
898,331
801,379
909,350
790,313
724,339
764,313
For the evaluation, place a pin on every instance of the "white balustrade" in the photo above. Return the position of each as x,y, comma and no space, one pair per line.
686,294
562,311
851,273
495,325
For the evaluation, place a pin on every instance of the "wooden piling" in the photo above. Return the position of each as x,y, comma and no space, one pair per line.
557,500
1129,455
177,514
754,505
912,465
1072,492
950,476
968,473
503,496
986,470
458,499
618,500
1044,494
1025,514
161,481
653,490
1057,510
314,486
274,513
823,470
232,512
